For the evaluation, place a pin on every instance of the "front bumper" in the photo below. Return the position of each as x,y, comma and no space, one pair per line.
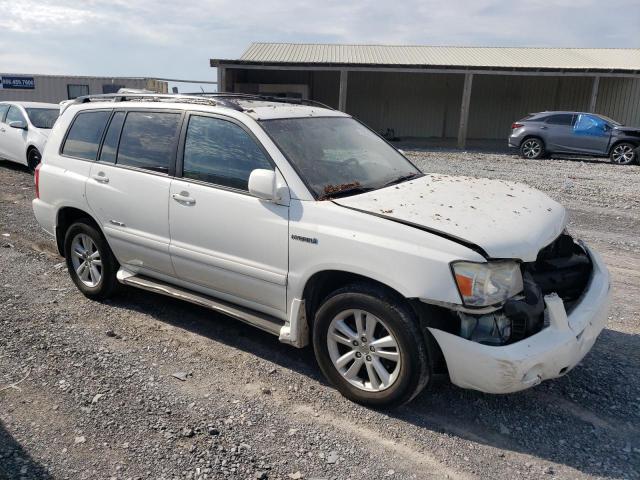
550,353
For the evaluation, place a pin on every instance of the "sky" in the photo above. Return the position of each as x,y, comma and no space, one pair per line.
174,39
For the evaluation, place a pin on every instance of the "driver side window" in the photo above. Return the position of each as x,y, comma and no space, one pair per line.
15,115
590,125
220,152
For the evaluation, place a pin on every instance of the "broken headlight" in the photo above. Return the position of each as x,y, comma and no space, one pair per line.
484,284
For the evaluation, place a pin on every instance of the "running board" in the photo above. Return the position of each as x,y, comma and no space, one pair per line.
262,321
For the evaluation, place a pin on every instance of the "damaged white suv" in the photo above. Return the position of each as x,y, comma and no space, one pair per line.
301,221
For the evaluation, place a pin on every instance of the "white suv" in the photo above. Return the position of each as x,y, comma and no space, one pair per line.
24,128
301,221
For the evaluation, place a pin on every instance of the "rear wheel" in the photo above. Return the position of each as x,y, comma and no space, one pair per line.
90,261
33,159
623,154
532,148
369,346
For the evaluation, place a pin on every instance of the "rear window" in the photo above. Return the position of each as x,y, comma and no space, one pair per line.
149,140
85,134
560,119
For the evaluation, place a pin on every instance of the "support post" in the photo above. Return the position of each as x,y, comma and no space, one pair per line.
464,110
222,79
594,94
342,95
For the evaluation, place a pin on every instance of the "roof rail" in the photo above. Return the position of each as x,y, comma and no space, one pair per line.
224,99
149,97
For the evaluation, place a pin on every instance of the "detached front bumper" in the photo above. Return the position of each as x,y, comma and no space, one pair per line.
549,353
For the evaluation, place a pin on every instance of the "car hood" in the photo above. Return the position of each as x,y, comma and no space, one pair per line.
505,219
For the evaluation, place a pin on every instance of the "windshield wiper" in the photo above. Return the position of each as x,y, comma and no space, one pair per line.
402,178
334,191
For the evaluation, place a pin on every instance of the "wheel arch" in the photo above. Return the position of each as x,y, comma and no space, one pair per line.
322,283
635,143
66,217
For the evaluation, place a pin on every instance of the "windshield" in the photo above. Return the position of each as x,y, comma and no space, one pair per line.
43,117
338,155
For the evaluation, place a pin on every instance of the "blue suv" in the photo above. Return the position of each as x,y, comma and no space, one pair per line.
539,135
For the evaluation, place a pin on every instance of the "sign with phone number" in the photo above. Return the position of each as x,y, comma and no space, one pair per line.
24,83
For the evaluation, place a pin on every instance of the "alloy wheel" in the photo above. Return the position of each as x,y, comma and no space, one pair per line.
363,350
531,149
86,261
622,154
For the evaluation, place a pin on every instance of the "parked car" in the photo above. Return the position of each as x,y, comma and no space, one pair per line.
301,221
539,135
24,128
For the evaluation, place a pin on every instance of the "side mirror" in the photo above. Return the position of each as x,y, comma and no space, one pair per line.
262,184
18,124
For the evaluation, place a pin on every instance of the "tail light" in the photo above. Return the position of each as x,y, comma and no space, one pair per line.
516,125
36,179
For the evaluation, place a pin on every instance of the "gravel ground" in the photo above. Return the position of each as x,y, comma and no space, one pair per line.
143,386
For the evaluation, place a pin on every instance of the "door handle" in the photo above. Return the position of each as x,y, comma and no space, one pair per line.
184,198
101,178
2,130
543,127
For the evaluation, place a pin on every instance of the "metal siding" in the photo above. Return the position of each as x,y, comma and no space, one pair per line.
413,105
499,57
497,101
53,89
619,98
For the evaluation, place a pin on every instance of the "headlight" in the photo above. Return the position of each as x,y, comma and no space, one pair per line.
482,284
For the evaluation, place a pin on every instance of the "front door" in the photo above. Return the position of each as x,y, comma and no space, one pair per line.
15,139
223,238
128,188
591,134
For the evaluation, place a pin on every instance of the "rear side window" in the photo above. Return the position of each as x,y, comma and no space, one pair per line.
85,134
3,111
220,152
561,119
149,140
111,139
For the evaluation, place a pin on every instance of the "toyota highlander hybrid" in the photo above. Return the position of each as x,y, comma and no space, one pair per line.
301,221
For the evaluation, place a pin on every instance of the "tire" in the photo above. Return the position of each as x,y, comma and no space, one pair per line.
390,317
624,153
33,159
532,148
83,238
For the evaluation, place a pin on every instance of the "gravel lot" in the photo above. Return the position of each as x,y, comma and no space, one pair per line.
100,400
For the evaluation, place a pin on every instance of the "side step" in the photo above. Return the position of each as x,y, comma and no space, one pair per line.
262,321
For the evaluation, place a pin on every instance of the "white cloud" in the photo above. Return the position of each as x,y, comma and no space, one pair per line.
176,39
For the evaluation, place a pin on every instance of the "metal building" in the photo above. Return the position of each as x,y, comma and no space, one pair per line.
456,93
55,88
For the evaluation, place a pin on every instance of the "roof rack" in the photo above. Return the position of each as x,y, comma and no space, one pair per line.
224,99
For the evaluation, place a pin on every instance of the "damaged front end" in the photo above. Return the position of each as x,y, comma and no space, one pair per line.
563,268
541,333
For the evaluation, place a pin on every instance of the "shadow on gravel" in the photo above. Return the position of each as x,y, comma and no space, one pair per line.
568,421
13,166
16,463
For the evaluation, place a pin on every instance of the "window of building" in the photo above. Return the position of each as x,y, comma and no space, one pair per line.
112,138
220,152
85,134
149,140
75,91
111,88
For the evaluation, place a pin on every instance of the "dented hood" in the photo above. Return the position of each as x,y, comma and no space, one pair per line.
505,219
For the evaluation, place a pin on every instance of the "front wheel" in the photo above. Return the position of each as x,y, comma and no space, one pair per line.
623,154
532,148
90,261
33,159
369,346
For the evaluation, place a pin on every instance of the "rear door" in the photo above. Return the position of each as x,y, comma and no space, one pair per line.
128,188
558,132
15,139
222,237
